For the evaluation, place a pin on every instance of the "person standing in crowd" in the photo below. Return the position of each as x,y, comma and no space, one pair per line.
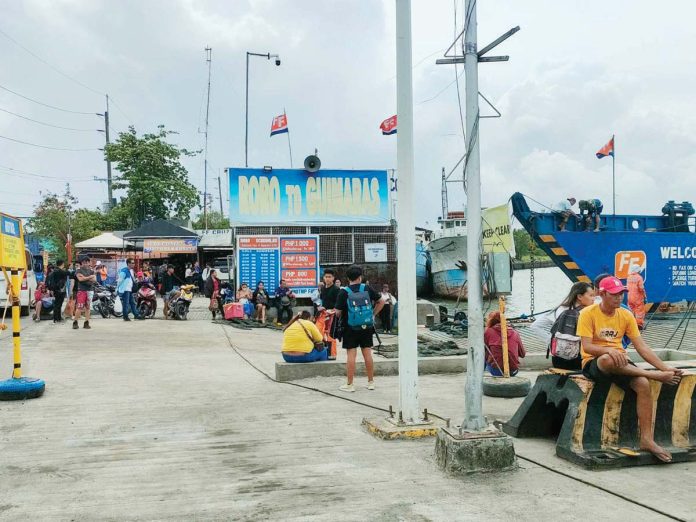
326,311
244,297
338,283
101,273
283,297
356,305
604,358
188,274
197,274
147,271
302,341
636,295
57,281
212,292
493,339
167,288
260,298
85,284
565,210
124,288
205,274
385,316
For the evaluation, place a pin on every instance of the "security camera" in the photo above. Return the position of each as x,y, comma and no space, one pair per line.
277,61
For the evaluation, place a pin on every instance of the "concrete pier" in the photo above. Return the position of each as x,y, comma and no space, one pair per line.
158,420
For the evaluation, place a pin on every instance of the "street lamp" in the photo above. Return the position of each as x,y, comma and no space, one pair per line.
268,56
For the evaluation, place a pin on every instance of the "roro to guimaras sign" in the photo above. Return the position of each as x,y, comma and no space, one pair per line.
298,197
12,254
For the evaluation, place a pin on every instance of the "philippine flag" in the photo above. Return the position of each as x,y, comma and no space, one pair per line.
607,150
388,126
279,125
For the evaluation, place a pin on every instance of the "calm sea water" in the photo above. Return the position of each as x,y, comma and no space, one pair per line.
551,286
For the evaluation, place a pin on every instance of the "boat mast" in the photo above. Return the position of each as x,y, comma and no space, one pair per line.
444,194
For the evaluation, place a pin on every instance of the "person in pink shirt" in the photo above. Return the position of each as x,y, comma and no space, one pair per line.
493,339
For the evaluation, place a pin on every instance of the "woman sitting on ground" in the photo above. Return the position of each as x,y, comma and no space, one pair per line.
260,298
493,339
299,338
244,296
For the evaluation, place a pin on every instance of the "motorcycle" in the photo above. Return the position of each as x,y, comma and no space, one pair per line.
146,301
106,301
179,305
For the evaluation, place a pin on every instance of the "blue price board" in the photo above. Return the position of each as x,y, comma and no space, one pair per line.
272,258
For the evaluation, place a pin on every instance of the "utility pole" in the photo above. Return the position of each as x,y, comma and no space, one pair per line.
268,56
209,59
406,239
109,191
220,195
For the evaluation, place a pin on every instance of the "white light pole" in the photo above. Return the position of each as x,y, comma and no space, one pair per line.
406,228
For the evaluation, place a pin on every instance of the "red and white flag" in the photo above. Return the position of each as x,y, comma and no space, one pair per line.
388,126
279,125
607,150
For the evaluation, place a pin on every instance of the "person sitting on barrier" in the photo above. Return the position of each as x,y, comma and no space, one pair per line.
302,341
564,344
244,296
493,339
42,299
260,298
565,210
605,360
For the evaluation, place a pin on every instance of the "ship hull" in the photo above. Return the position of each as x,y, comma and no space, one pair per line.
448,263
422,269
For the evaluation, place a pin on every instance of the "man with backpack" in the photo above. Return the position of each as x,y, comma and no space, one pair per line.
356,305
56,282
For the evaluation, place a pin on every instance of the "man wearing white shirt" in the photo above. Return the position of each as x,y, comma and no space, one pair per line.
565,209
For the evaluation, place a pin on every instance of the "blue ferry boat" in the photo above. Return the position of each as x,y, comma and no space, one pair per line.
662,246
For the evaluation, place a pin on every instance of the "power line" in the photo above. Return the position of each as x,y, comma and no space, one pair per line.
118,107
20,173
45,146
443,90
47,124
45,104
78,82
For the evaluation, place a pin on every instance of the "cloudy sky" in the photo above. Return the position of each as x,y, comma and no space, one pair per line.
579,72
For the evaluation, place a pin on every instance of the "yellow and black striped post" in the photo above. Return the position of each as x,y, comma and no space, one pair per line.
15,286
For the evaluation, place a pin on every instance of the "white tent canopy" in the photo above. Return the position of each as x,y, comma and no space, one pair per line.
107,241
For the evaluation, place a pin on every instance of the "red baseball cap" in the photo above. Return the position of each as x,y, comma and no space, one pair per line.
613,285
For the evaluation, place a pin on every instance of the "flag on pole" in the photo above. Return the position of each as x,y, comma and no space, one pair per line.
388,126
279,125
607,150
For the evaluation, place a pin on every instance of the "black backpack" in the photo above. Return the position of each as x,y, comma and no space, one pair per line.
52,282
565,343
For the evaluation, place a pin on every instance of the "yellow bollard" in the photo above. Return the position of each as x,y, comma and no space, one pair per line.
503,333
16,285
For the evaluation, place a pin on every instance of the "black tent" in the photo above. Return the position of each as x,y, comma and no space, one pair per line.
159,228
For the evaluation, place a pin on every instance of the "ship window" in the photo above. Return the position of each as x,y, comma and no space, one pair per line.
635,224
449,224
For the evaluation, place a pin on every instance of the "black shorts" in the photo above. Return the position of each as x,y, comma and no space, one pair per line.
357,338
592,371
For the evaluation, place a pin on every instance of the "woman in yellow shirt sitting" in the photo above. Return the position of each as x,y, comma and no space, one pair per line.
299,340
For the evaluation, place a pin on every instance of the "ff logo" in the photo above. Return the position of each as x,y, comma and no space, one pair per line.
625,259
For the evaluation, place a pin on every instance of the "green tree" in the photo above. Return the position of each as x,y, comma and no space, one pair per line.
155,181
215,220
525,245
57,215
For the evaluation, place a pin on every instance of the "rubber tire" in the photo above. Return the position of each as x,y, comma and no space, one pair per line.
21,389
508,388
117,308
104,313
182,311
144,310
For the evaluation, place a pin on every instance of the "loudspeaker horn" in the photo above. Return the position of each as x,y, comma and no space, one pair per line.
312,163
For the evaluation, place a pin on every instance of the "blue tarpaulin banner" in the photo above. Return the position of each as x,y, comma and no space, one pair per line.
295,196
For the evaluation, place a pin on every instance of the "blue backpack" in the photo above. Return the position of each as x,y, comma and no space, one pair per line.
360,315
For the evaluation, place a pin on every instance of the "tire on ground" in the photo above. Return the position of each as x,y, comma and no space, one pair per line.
502,387
21,389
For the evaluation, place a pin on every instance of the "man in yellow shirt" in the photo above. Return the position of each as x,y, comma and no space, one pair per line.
604,359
